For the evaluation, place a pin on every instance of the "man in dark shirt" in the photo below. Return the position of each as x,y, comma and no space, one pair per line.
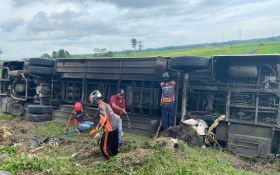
167,101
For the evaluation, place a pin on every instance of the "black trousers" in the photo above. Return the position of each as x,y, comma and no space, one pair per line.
168,114
109,144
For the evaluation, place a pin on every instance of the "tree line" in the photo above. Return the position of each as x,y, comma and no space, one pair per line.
61,53
102,52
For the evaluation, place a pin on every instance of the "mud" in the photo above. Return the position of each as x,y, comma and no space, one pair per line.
136,158
183,132
164,142
126,146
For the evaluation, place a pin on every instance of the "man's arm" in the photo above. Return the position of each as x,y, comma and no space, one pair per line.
118,108
99,126
87,116
124,107
69,120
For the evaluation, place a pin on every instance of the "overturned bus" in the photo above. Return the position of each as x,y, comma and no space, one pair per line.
42,89
245,88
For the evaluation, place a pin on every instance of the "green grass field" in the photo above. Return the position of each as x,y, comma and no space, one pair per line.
250,48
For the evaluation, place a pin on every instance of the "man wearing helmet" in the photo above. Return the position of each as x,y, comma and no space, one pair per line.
117,103
109,123
167,101
79,118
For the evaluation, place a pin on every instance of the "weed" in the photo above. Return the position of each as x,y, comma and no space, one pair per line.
4,116
152,158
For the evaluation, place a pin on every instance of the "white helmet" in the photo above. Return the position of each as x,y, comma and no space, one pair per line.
199,125
94,95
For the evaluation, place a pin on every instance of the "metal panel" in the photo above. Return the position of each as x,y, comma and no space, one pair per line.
137,69
251,130
249,146
222,132
69,69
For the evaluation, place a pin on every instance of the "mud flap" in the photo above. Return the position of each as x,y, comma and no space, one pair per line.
5,104
8,105
249,146
16,109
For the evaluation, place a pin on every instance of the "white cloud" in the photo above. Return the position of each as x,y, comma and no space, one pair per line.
32,27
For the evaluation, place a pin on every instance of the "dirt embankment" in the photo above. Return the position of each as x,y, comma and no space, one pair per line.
19,133
185,133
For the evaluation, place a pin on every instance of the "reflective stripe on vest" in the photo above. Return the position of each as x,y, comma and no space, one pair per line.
168,92
111,122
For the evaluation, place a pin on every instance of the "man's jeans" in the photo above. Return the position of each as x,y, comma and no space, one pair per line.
120,131
168,114
85,125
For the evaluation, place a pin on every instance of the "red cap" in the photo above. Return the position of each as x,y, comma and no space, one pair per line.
78,106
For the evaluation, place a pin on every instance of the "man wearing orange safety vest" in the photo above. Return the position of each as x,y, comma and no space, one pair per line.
167,101
108,123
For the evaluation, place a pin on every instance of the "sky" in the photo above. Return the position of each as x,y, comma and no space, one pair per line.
29,28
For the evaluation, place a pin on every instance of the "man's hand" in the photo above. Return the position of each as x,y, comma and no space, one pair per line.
97,135
124,111
89,116
66,129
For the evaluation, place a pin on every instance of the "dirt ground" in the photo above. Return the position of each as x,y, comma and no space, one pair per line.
19,133
185,133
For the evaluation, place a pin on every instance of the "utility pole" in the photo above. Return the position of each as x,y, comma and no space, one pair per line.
239,34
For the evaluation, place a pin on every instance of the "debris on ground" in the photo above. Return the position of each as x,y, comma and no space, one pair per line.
136,153
54,142
3,172
210,137
235,162
126,146
3,158
35,142
4,133
185,133
136,158
166,142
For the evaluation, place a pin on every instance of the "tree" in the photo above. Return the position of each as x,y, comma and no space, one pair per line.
102,52
67,54
61,53
110,54
96,50
45,55
140,45
133,43
54,54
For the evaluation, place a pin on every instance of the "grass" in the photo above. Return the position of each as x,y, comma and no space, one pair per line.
8,117
49,128
250,48
146,156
